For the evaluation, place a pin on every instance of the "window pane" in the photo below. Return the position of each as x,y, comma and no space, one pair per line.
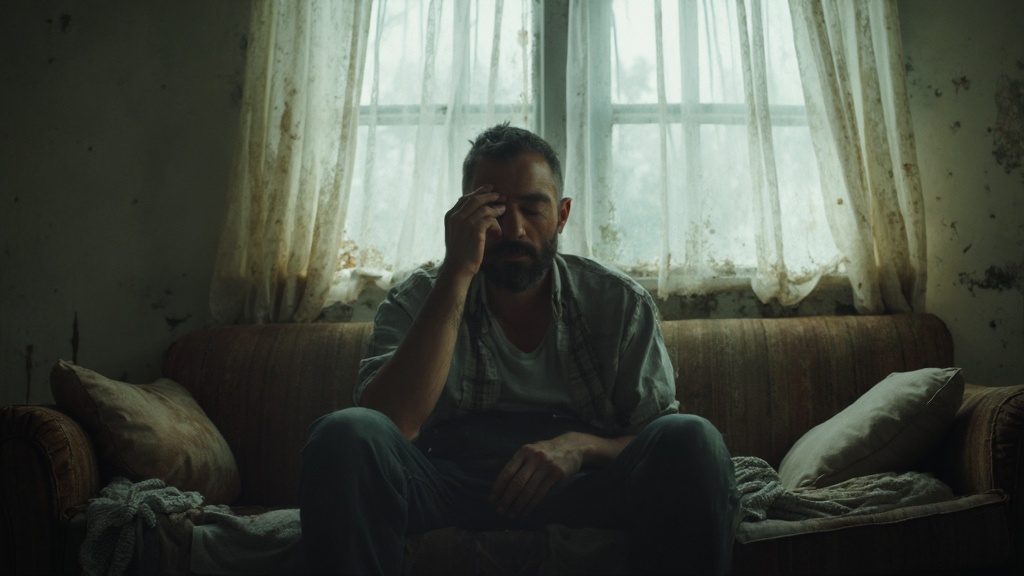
440,75
420,53
720,62
630,234
727,200
780,53
711,217
700,43
806,235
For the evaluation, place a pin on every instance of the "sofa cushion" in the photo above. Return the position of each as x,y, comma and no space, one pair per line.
967,535
144,431
888,429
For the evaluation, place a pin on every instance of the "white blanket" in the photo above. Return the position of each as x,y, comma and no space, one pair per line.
268,543
762,495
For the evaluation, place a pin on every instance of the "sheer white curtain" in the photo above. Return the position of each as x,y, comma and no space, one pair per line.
711,143
851,64
278,252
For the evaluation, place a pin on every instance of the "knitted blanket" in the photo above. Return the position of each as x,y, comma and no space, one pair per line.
762,495
116,518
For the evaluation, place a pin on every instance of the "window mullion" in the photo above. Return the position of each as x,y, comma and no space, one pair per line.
690,76
600,97
552,24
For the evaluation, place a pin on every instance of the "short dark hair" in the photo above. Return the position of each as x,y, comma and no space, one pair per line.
506,142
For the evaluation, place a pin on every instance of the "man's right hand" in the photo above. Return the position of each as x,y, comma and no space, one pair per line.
466,227
407,387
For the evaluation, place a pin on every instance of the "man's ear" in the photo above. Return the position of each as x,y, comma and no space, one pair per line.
564,205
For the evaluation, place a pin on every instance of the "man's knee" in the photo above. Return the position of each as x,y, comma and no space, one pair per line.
688,442
676,432
351,432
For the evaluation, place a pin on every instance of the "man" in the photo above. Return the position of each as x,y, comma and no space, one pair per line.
513,387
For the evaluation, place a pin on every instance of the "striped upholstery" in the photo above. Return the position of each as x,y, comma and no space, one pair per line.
263,385
764,382
47,467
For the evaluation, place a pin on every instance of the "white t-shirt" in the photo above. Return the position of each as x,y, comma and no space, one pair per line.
526,377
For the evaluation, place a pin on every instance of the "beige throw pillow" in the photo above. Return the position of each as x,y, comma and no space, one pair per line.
888,429
144,431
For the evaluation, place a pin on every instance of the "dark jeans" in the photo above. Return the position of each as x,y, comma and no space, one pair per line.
364,487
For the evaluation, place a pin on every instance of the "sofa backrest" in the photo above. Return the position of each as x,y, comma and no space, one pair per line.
762,382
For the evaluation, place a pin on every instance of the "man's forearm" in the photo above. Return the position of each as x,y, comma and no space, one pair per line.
407,387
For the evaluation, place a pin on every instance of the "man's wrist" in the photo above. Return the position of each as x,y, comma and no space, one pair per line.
596,450
453,277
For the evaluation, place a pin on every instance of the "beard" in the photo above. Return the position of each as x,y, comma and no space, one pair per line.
517,276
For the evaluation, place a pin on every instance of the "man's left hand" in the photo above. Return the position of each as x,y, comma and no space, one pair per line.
532,472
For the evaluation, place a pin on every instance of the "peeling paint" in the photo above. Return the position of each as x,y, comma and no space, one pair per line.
1008,136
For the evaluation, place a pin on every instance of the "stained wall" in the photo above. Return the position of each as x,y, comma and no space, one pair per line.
965,76
117,125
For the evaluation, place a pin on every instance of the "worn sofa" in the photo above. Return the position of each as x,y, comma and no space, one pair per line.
763,382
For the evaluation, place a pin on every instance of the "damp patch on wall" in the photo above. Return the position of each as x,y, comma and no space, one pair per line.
1008,133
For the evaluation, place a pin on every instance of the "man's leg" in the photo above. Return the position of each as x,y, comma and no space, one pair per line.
682,484
363,487
673,488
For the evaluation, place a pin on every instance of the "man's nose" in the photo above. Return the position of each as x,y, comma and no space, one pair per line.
512,224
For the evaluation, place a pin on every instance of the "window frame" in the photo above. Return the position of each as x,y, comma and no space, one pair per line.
550,22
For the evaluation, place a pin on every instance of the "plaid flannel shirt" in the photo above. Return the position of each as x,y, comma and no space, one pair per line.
620,375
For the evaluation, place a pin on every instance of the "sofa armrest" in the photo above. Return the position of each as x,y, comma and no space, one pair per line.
985,448
47,467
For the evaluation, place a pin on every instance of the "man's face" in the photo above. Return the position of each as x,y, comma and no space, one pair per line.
533,218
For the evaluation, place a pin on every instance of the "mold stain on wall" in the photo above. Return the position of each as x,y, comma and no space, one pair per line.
1008,134
998,278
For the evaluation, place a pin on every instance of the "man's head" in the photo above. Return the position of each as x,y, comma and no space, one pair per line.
525,171
504,142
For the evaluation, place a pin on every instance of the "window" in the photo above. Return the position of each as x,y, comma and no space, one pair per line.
428,89
676,105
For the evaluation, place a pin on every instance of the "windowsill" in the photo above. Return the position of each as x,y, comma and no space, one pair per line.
729,297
